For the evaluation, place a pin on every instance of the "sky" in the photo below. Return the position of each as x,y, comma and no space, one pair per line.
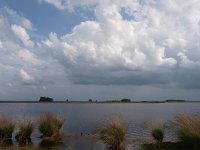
99,49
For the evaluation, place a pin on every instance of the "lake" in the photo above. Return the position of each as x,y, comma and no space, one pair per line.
88,117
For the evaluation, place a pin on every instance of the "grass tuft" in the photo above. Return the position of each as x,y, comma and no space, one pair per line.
158,135
23,136
6,127
188,130
113,135
156,129
50,125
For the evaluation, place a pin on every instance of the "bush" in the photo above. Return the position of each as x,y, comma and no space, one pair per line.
113,135
6,128
50,125
188,130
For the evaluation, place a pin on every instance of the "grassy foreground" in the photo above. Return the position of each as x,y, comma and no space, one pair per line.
112,133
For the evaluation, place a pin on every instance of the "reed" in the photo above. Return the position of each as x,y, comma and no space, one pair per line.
23,136
156,129
188,130
6,127
113,135
50,125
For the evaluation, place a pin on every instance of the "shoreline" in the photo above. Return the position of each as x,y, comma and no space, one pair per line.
99,102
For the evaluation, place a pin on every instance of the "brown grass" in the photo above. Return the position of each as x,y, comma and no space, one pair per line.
50,125
113,135
6,127
188,130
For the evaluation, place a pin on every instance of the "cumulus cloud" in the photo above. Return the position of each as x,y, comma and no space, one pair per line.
142,43
29,57
21,33
130,42
18,51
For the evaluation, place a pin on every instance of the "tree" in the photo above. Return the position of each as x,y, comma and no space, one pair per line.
46,99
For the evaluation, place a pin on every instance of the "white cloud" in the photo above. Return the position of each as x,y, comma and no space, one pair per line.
186,62
18,51
24,75
27,56
1,21
15,18
68,4
21,33
26,23
60,4
132,42
112,41
1,45
129,37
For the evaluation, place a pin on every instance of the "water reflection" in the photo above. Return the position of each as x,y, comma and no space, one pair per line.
24,142
48,143
6,142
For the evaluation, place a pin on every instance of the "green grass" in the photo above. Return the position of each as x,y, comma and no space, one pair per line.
188,130
50,125
113,135
158,134
6,127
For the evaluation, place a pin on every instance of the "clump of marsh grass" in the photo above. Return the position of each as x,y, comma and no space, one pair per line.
23,136
158,135
50,125
113,135
6,127
156,129
188,130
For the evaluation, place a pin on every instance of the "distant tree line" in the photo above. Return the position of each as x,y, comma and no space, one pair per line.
46,99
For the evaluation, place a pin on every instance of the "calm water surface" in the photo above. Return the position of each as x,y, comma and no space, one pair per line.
88,117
